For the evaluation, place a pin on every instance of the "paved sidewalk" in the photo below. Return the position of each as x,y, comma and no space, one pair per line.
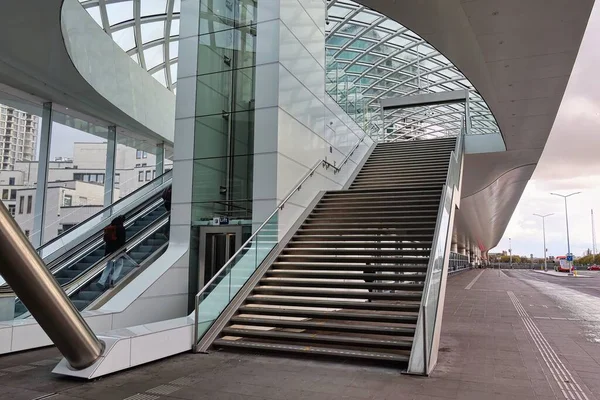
505,336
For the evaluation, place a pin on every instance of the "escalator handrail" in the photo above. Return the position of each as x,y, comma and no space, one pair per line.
97,239
88,246
85,277
164,180
79,281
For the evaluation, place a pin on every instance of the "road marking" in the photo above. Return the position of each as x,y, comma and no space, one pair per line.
565,381
470,285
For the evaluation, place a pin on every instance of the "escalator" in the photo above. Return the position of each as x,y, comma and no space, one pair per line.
78,265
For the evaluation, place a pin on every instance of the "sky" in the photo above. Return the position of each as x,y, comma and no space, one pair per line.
570,163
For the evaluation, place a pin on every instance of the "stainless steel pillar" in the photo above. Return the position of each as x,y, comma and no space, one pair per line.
111,156
39,215
31,281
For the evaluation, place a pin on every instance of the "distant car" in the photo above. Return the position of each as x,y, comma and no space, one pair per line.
594,268
563,269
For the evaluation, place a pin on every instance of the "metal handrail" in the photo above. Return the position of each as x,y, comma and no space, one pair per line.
86,247
280,207
84,278
277,209
103,211
350,154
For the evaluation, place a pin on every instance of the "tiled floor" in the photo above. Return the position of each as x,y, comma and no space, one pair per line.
537,343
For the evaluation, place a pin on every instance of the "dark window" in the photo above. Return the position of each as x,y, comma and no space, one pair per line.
11,209
13,194
5,194
21,203
148,175
29,204
27,233
141,176
11,181
153,174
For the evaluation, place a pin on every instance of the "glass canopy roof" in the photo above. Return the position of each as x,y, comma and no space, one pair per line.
378,58
148,30
369,57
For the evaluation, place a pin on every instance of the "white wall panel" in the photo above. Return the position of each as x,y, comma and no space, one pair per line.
295,17
296,59
299,102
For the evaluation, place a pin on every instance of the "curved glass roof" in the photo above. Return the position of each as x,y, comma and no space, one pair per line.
369,57
148,30
378,58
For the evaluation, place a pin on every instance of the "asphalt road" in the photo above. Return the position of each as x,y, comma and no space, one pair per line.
589,285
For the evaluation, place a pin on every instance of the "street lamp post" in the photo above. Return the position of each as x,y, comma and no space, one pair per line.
543,217
510,251
565,197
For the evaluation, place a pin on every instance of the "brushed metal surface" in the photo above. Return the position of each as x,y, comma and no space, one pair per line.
33,283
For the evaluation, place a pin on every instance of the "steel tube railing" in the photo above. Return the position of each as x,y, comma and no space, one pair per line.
34,284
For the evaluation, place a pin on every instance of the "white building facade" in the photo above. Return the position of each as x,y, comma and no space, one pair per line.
76,186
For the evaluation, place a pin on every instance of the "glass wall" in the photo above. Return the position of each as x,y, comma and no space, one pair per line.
224,131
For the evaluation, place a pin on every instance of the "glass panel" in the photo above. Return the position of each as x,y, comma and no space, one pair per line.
94,223
124,38
120,12
219,292
427,322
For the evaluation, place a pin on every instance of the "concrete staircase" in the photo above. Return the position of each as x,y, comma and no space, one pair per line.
350,281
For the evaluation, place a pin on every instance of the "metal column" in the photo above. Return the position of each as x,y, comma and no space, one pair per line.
160,159
35,286
39,216
111,157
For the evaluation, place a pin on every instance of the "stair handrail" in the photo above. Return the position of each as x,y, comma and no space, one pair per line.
422,346
279,207
350,153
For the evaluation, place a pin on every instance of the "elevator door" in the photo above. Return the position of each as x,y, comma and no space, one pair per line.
220,247
217,246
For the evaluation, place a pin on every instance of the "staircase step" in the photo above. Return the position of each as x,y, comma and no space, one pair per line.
362,236
338,294
354,259
399,196
319,339
340,284
386,177
374,244
416,187
410,216
348,229
329,352
416,205
302,273
393,158
330,315
343,226
324,326
321,266
347,305
333,251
